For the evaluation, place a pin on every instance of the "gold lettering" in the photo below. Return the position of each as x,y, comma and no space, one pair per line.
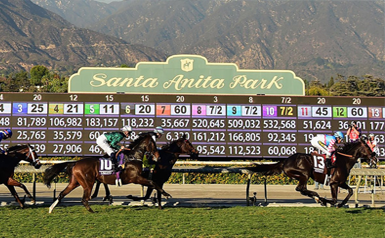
175,80
150,83
113,82
196,84
244,82
101,81
137,82
217,83
180,83
261,84
275,81
238,79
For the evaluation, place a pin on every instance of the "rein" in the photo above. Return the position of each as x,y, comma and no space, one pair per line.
346,155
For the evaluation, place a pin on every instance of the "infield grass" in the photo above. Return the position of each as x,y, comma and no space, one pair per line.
122,221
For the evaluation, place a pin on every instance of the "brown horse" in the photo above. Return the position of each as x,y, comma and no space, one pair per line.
304,166
9,161
86,171
169,154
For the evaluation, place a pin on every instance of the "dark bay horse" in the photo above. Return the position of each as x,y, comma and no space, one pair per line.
303,166
9,161
169,154
86,171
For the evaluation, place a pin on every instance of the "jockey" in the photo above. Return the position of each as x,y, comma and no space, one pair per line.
148,160
5,134
327,144
109,143
354,132
158,132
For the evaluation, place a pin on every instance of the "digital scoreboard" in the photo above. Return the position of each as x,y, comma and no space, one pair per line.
220,127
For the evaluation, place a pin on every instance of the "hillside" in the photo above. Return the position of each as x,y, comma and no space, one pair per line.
31,35
315,39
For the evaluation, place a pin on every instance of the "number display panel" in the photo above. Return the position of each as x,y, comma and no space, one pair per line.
220,127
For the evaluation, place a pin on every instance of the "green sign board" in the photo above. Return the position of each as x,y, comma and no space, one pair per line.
186,74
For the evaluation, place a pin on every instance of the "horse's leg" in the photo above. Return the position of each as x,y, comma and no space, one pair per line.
334,191
302,185
71,186
97,186
350,193
159,197
150,183
13,182
14,194
302,188
108,194
87,183
147,196
107,190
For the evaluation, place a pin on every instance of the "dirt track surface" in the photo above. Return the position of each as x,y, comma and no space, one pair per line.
199,195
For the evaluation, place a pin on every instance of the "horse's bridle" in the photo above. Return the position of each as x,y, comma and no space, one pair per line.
35,161
355,154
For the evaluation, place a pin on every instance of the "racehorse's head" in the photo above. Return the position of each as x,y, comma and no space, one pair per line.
186,147
27,153
145,143
359,149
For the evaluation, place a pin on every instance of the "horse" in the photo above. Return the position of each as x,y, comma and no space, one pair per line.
169,154
9,161
301,167
85,172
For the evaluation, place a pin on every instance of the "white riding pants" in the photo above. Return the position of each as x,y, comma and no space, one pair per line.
318,142
101,141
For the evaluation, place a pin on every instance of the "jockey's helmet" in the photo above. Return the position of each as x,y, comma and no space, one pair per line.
159,130
8,133
127,128
339,134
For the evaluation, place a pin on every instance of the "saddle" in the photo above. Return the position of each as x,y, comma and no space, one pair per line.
320,165
106,164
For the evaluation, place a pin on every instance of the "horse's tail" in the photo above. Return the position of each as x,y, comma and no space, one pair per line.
53,171
267,169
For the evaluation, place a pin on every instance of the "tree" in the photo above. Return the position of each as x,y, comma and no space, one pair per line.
37,73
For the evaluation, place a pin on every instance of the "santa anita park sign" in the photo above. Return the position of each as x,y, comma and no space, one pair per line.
186,74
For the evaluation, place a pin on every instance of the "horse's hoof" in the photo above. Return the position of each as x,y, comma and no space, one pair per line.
167,196
342,205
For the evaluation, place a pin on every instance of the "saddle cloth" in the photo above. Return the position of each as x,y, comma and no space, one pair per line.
319,163
105,167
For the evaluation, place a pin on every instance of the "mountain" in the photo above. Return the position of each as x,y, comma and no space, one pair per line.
31,35
315,39
82,13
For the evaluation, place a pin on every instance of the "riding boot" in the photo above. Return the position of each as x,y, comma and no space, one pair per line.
329,165
114,162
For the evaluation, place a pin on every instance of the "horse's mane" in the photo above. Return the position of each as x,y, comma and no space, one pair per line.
168,145
139,140
349,145
15,148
